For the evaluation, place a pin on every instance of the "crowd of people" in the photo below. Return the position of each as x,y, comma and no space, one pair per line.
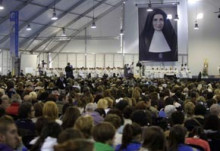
40,113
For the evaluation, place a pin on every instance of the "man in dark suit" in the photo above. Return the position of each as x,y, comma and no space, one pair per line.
61,82
69,71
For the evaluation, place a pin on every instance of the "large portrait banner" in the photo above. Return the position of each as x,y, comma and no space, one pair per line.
158,34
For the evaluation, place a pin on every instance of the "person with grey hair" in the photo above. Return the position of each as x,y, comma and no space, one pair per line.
215,110
90,110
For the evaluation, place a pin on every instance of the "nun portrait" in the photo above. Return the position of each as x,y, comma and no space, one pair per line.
158,40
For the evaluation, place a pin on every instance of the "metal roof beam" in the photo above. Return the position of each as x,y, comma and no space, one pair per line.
82,28
68,24
31,19
51,7
18,8
51,22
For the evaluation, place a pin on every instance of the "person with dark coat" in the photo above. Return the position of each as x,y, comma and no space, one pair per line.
69,70
61,82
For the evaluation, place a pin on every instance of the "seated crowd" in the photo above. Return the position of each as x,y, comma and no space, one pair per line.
108,114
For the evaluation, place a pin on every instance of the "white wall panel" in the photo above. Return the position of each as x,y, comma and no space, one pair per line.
90,60
103,46
72,59
28,63
136,59
99,60
55,60
75,46
109,58
204,43
62,60
80,60
129,59
118,60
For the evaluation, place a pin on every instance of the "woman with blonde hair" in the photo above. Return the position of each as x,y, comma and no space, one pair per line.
85,125
189,109
102,103
50,111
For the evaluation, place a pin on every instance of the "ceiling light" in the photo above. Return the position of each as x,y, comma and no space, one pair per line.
1,5
193,1
149,9
121,32
176,17
93,18
54,17
199,16
28,27
169,16
196,26
93,24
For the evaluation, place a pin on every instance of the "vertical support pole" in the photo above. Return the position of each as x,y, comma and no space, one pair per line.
85,47
14,42
122,30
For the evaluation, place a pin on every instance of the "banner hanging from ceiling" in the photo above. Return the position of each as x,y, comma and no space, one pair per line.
157,34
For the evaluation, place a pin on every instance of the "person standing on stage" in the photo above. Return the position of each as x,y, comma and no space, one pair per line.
131,70
69,70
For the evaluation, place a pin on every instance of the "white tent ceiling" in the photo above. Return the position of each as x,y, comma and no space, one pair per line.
73,15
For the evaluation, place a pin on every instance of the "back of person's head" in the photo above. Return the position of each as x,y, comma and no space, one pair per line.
16,98
101,112
75,145
103,132
128,110
117,112
215,109
212,123
25,110
169,109
140,105
143,118
38,108
121,105
114,119
154,139
84,124
69,134
50,110
33,96
70,116
40,123
177,118
131,132
51,129
198,132
200,110
10,84
210,95
102,103
176,137
90,107
189,108
169,101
